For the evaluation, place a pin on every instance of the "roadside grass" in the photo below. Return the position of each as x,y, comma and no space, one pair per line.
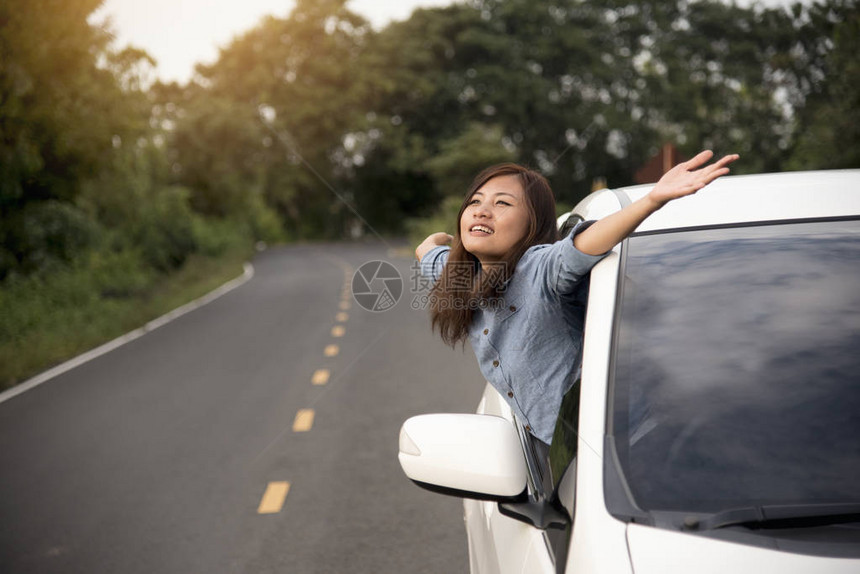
50,319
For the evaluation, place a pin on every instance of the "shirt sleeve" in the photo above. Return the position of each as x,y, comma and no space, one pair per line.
564,265
433,262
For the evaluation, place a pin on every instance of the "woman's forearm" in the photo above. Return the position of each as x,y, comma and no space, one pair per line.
604,234
433,240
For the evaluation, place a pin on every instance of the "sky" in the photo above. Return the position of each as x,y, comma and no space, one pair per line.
181,33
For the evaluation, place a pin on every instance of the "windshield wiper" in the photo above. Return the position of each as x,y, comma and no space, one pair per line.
777,516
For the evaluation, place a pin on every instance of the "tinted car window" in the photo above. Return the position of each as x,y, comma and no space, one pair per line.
565,438
736,377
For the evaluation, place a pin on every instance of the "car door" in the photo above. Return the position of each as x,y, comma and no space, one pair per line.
499,544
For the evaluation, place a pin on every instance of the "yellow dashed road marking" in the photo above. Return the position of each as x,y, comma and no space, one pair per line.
342,317
320,376
344,305
304,420
273,498
338,331
331,350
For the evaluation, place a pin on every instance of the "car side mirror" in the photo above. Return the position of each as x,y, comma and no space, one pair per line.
465,455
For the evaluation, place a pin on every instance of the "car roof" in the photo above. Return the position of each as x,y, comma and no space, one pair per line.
742,199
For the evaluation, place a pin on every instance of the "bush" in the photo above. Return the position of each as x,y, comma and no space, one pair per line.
215,237
164,231
265,224
45,235
118,274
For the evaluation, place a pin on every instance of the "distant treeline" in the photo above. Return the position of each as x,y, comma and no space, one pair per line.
101,167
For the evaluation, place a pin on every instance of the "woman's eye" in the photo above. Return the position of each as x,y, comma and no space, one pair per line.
473,202
502,203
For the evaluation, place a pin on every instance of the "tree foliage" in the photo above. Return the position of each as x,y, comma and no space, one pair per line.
307,120
828,127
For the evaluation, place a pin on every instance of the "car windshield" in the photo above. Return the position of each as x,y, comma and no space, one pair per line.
736,367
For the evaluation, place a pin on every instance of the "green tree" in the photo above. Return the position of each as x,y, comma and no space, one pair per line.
411,82
267,120
62,114
828,122
535,70
461,158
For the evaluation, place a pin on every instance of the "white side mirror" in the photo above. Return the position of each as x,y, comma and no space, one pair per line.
476,454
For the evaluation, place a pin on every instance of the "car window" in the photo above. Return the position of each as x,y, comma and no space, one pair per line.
735,368
564,440
569,224
562,453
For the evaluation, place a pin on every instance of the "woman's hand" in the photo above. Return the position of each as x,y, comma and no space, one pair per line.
433,240
684,179
689,177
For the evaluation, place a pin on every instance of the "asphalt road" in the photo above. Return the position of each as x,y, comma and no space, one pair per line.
157,457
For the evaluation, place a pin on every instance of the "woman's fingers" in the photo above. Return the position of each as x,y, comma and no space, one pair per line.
698,161
714,170
719,168
703,157
724,161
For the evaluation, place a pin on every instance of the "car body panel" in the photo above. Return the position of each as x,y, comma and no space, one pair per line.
660,551
599,204
750,198
598,542
498,544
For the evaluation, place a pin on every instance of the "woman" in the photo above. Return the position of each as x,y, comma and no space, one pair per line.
508,285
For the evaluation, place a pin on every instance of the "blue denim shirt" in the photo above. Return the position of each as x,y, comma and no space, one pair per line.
530,349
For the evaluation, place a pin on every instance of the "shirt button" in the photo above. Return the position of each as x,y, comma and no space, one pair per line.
511,394
486,331
528,428
513,308
495,363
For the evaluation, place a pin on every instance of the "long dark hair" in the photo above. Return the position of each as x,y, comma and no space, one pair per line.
463,287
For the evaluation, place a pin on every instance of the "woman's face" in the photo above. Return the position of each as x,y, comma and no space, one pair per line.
496,219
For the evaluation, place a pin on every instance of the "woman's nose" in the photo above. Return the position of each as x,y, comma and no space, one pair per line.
482,210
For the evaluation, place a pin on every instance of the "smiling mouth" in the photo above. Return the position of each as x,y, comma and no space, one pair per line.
482,229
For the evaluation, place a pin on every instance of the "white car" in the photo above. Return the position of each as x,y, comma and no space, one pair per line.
716,425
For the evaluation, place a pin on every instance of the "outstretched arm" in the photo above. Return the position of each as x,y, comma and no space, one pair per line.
684,179
433,240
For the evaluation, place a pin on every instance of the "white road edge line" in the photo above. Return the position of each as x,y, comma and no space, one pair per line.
128,337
